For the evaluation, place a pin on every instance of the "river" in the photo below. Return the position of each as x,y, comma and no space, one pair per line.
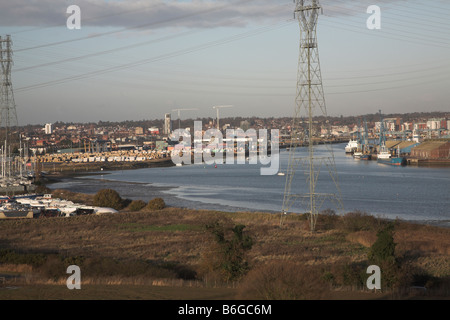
414,193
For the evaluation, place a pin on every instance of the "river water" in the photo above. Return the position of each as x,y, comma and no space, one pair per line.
420,194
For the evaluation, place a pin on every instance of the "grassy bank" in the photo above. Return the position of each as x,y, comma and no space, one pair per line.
179,253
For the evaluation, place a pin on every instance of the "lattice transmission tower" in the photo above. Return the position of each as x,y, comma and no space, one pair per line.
306,156
8,115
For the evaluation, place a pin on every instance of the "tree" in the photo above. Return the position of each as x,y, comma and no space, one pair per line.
382,254
383,249
231,247
156,204
108,198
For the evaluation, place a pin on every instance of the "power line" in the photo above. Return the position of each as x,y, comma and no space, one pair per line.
158,58
153,23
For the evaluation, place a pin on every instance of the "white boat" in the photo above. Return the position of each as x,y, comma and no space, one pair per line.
357,155
384,153
351,146
280,173
103,210
68,210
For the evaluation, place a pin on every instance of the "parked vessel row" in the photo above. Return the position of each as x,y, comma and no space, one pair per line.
34,206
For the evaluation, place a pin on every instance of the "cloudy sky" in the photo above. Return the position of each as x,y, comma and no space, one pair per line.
139,59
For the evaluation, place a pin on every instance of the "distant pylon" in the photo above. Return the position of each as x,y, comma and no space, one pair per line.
310,103
8,116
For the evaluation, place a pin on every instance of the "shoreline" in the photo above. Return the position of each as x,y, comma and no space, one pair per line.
65,171
141,191
147,191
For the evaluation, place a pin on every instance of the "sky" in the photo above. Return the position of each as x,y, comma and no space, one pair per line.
137,59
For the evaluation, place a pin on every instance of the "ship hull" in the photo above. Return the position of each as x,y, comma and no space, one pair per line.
400,161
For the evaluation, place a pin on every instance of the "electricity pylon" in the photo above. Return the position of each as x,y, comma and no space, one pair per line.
310,103
8,116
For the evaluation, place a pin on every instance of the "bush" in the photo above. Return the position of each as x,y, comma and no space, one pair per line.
283,280
346,273
109,198
359,221
9,256
227,255
382,253
327,220
136,205
156,204
384,247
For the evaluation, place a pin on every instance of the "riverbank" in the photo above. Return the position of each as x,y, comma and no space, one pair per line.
52,172
84,183
172,252
73,167
166,253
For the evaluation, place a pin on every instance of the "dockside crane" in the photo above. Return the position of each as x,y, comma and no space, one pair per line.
217,109
178,110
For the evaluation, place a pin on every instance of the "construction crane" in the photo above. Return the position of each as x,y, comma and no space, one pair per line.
178,110
217,109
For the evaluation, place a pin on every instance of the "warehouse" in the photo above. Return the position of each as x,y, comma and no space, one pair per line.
434,149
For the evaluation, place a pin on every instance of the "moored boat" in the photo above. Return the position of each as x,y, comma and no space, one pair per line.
386,157
394,161
351,146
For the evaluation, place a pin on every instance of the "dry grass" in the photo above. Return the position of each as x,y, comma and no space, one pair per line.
169,244
365,238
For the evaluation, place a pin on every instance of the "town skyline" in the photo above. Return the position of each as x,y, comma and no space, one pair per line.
53,137
370,117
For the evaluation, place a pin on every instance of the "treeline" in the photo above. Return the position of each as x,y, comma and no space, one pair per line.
236,121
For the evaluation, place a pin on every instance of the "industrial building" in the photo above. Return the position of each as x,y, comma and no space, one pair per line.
433,149
404,147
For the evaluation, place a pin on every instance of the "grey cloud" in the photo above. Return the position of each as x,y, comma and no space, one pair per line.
162,13
152,14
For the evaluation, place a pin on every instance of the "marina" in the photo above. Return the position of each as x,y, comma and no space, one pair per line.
44,205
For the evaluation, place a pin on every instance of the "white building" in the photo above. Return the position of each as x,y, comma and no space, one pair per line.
48,129
167,124
434,124
339,130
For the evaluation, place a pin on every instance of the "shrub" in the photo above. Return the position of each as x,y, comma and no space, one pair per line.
227,255
382,253
156,204
346,273
327,220
108,198
136,205
283,280
359,221
384,247
9,256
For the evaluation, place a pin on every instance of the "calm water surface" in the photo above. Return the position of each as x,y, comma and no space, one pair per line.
409,193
